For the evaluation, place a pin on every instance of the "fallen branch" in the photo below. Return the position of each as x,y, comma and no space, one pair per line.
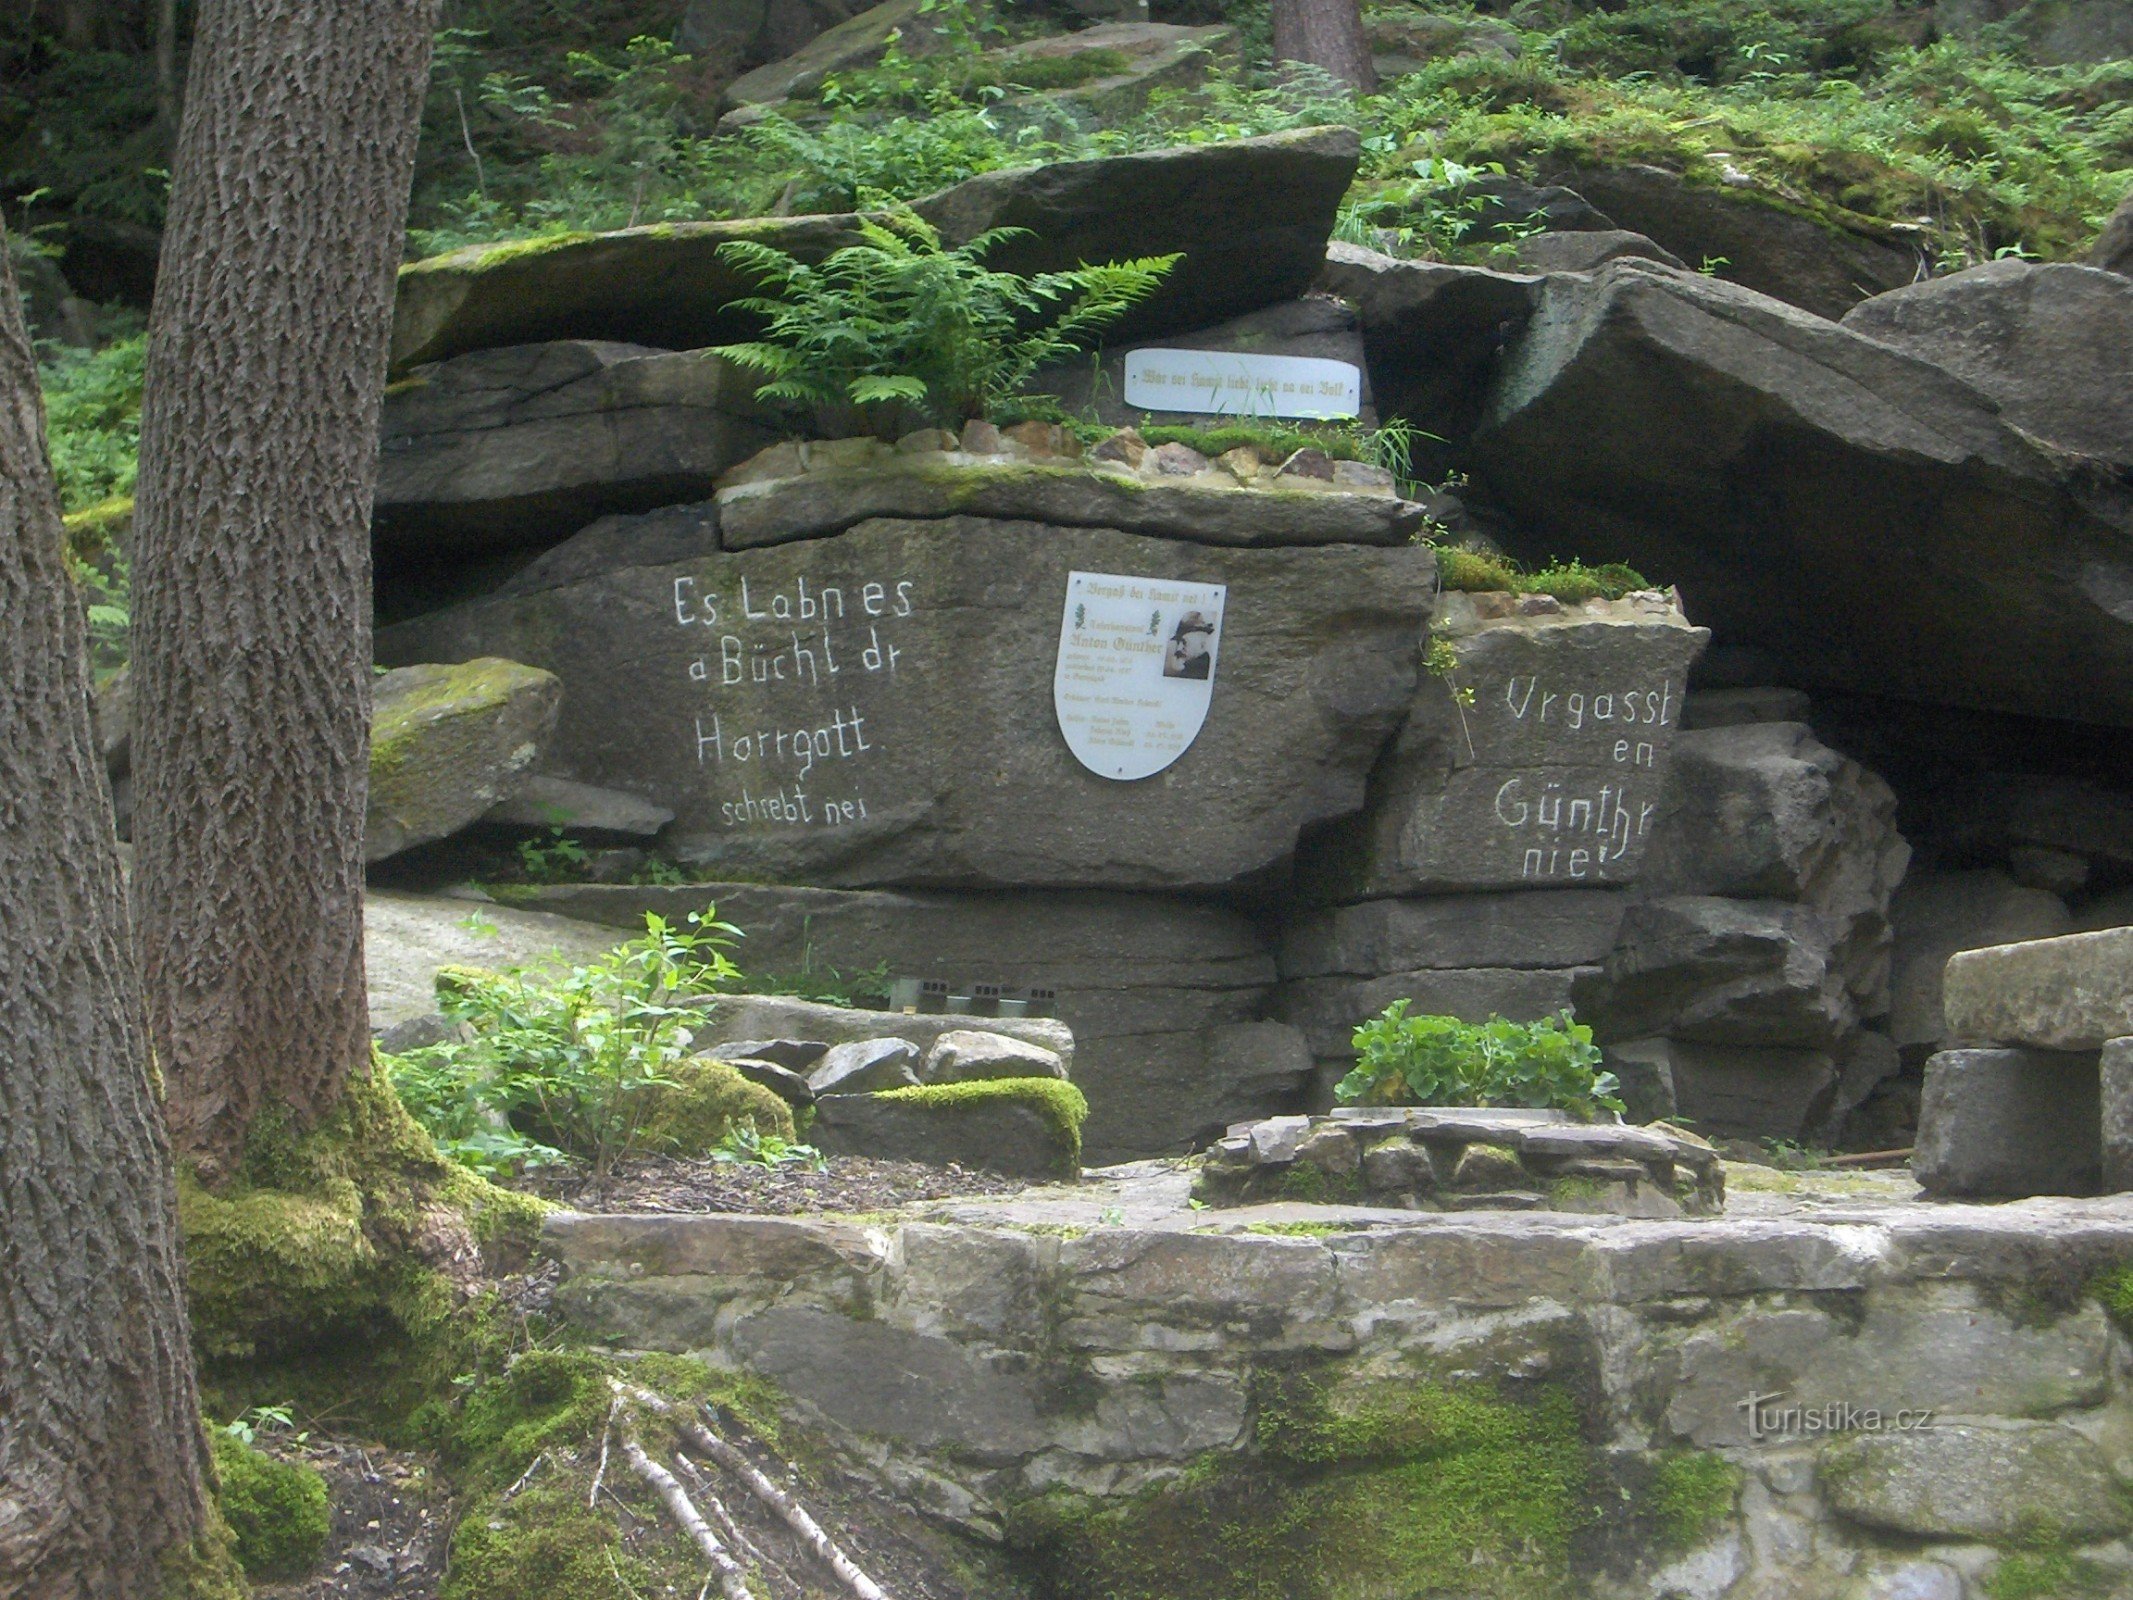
732,1581
592,1495
789,1510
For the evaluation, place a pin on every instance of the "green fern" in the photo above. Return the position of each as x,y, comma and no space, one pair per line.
899,325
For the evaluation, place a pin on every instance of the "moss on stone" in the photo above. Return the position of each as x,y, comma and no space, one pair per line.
95,531
1392,1488
1692,1493
487,257
1062,1105
316,1262
464,688
275,1509
707,1100
2114,1290
2047,1575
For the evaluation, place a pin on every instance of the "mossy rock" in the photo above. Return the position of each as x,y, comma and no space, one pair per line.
276,1509
1403,1488
1021,1127
447,743
706,1101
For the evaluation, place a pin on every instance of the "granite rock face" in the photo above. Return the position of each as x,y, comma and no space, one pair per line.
1792,258
1867,498
1936,914
1551,778
449,742
1165,998
2047,341
525,445
1251,217
876,708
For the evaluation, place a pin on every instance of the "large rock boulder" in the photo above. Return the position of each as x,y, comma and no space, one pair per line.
2113,249
1727,972
1433,331
2047,341
1935,914
525,445
449,742
853,41
1550,778
1758,240
1840,506
2074,992
408,937
1163,996
2008,1123
877,708
1250,216
1022,1127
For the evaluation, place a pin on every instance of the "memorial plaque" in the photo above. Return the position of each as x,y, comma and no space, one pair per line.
1136,669
1232,384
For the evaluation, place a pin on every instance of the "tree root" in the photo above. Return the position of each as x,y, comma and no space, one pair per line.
789,1510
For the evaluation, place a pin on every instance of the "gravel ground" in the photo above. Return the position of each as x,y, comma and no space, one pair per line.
843,1184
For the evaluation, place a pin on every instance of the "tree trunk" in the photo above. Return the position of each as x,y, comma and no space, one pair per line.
1327,34
100,1444
167,85
259,444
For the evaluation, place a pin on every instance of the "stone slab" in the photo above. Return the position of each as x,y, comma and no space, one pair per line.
1538,928
2074,992
940,485
2116,1088
993,1135
2009,1122
877,708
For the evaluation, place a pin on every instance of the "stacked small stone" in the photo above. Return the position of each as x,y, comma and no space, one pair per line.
1434,1159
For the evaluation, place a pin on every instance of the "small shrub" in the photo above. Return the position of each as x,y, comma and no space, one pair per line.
898,325
579,1064
1551,1064
1484,571
277,1509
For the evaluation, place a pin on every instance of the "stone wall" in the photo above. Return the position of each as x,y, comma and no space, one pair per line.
1882,1401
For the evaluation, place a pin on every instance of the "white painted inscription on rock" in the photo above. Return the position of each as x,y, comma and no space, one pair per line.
1230,383
791,675
1136,669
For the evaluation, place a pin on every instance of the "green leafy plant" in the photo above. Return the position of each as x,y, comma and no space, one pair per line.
265,1419
747,1146
1440,1061
553,859
573,1064
92,404
899,326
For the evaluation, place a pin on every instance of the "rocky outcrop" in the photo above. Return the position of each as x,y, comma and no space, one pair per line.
1758,240
1250,216
1762,943
1535,758
1432,331
1164,997
449,742
876,708
525,445
2048,342
853,41
1839,506
1589,250
1935,914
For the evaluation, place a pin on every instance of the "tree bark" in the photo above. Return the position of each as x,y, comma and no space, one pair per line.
100,1445
259,426
1327,34
168,89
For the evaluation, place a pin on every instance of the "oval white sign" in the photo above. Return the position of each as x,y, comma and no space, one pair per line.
1231,383
1136,669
